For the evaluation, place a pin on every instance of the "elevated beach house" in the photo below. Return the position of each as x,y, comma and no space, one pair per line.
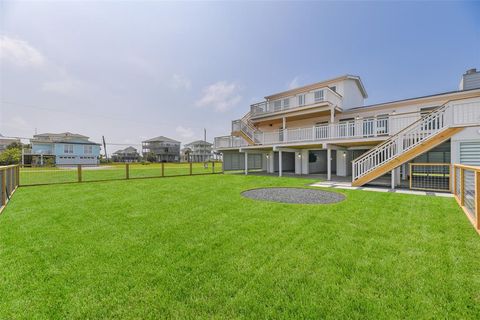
62,149
200,151
326,128
129,154
163,149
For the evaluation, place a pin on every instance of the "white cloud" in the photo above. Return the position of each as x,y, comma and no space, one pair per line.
294,83
220,96
181,82
65,86
20,53
184,132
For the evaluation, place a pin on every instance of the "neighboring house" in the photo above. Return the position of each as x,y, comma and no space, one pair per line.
5,141
164,149
63,149
200,151
128,154
325,128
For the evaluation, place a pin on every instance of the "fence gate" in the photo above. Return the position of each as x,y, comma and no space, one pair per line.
430,176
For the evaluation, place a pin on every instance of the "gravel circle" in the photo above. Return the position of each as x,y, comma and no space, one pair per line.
294,195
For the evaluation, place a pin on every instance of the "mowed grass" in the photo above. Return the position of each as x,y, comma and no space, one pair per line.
46,175
193,247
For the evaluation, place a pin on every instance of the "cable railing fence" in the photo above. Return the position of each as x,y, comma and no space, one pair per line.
9,181
42,175
430,176
466,189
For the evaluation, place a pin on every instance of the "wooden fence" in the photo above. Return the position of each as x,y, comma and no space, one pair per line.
466,188
9,182
82,173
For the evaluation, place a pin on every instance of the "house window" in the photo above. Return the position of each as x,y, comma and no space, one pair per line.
68,148
87,149
301,99
333,88
277,105
318,95
286,103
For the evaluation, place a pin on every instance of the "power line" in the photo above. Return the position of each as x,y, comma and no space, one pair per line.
84,114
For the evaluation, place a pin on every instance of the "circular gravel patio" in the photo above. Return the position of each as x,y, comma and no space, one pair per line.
294,195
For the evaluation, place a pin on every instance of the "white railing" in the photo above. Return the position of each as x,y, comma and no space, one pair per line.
449,115
266,107
362,128
244,126
229,142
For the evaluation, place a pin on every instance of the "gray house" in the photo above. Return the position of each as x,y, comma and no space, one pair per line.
163,149
200,151
128,154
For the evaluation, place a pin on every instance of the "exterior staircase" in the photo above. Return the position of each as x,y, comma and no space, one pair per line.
244,128
421,136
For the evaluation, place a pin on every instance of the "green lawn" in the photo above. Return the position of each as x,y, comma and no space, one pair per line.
193,247
43,175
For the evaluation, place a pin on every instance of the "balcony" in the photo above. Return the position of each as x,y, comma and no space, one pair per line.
320,97
379,127
229,142
355,129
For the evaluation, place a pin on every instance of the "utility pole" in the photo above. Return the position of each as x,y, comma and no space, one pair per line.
105,148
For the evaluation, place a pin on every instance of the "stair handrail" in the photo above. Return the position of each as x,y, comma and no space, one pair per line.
433,112
393,139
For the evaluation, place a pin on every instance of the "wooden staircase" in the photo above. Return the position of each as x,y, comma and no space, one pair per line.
244,128
421,136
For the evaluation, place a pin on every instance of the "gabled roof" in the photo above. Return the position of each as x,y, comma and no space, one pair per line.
161,139
320,84
126,150
64,137
61,135
199,142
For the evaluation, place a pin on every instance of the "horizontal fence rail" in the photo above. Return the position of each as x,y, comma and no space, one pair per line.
430,176
466,189
29,176
9,181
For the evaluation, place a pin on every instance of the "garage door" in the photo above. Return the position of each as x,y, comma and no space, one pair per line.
236,161
470,153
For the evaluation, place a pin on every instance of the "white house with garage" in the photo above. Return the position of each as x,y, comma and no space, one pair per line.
326,128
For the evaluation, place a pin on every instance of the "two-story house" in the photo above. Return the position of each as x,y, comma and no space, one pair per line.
64,149
129,154
164,149
199,151
326,128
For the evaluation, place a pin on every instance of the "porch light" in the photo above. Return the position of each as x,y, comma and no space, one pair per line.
344,154
358,118
268,156
394,112
299,156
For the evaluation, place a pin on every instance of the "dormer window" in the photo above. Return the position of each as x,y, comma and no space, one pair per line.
286,103
277,105
301,99
318,95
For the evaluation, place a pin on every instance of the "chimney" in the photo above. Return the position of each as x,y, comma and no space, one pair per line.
470,80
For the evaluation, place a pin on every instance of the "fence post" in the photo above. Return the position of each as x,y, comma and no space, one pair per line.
213,166
79,172
462,187
163,169
18,175
4,187
477,198
127,171
190,168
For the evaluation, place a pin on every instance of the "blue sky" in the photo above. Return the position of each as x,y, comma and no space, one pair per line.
133,70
